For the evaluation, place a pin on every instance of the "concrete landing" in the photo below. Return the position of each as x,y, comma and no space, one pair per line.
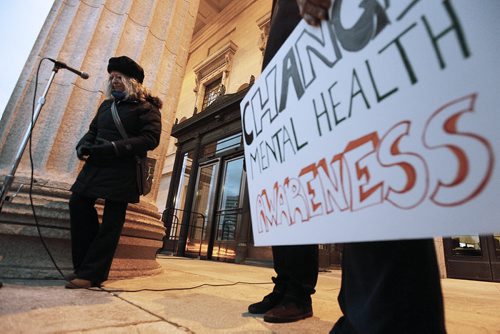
219,306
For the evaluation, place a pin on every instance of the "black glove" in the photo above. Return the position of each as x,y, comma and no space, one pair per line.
104,150
83,151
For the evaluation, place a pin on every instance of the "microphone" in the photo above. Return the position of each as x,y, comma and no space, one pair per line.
62,65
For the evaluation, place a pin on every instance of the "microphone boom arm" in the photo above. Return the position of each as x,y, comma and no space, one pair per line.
61,65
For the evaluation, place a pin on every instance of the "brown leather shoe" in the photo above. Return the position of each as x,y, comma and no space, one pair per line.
79,283
288,311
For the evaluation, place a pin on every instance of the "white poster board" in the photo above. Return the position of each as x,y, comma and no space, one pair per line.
383,123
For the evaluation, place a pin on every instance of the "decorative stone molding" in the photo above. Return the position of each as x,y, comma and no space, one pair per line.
218,65
264,24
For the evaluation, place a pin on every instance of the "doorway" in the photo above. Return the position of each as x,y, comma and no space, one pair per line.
217,209
473,257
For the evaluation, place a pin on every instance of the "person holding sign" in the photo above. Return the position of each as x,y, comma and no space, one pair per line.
387,286
296,266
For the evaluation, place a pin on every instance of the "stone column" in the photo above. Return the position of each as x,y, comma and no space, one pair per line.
84,35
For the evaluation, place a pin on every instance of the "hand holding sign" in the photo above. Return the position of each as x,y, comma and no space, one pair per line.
313,11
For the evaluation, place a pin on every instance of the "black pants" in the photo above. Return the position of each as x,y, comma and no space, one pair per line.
390,287
297,269
93,246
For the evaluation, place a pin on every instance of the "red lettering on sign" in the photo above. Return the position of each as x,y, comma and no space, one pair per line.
371,171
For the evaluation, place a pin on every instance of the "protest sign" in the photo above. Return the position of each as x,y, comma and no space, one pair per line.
382,123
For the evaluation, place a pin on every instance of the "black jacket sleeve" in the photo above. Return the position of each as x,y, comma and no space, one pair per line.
284,19
91,134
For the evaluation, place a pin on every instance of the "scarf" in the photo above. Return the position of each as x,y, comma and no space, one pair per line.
118,95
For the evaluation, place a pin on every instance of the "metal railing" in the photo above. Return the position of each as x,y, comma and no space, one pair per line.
176,236
227,222
190,240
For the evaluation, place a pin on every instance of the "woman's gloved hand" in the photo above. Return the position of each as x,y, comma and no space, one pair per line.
103,150
83,151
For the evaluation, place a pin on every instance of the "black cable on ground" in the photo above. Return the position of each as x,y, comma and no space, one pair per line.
179,289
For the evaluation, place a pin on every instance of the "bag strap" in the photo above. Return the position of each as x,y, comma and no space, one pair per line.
119,126
118,121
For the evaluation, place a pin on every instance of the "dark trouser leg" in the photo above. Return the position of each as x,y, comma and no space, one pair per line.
84,226
297,269
390,287
279,264
99,257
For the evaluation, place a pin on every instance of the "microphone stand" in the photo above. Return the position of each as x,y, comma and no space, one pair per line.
9,178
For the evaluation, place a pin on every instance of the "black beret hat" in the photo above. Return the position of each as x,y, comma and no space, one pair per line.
127,66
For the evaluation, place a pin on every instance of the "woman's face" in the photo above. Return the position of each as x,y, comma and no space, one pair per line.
116,79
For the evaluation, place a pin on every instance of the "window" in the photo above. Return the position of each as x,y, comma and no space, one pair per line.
211,92
466,245
212,75
222,145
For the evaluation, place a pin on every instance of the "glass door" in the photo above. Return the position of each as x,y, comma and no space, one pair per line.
173,216
228,213
203,205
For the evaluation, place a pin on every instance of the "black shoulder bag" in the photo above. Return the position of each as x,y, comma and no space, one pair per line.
145,166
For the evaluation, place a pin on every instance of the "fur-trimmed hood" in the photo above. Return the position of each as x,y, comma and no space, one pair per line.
154,100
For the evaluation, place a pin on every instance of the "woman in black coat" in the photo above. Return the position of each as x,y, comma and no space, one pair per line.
110,170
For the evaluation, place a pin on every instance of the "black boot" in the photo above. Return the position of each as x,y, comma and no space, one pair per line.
272,299
289,310
267,303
